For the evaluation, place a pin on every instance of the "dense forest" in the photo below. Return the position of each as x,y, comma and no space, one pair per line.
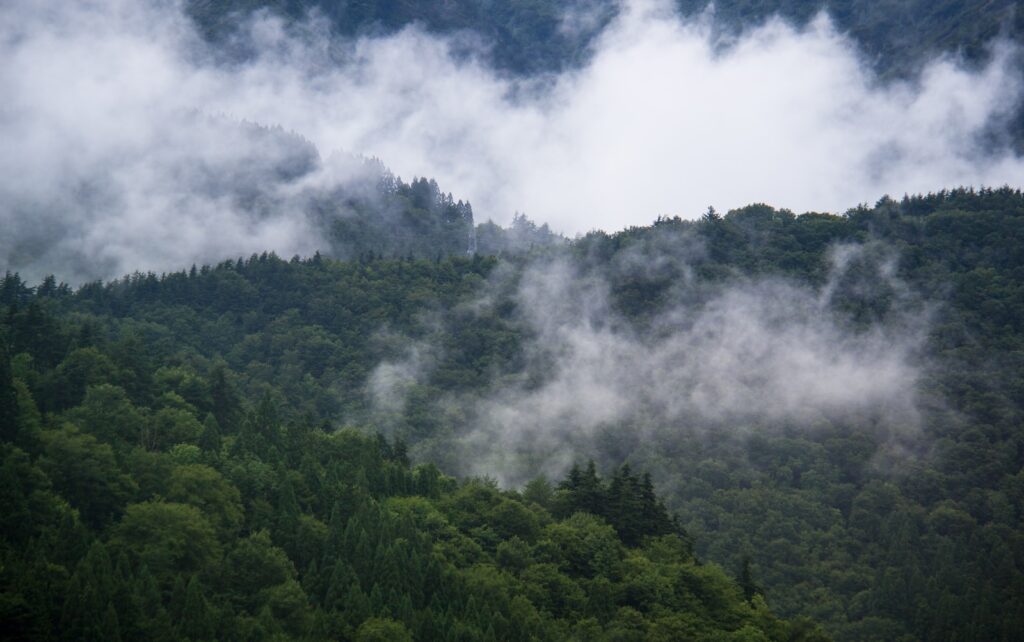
895,36
530,36
524,36
194,455
144,500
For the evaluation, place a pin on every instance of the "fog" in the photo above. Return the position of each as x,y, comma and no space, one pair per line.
753,355
125,147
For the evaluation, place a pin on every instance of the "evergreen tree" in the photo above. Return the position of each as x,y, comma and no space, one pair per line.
110,627
16,516
209,440
227,407
196,623
746,581
8,395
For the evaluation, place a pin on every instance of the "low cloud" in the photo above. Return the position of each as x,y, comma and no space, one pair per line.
758,355
126,148
391,382
754,355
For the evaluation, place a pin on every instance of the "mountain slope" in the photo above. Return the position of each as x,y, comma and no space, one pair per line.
530,36
133,513
834,398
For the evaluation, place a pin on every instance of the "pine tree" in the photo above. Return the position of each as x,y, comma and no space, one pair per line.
8,395
655,517
357,605
623,508
226,405
154,620
129,614
71,542
746,581
16,515
110,627
195,618
76,619
88,595
286,517
338,585
14,291
209,440
178,594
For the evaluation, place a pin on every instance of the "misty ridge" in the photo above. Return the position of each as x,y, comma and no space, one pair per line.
133,144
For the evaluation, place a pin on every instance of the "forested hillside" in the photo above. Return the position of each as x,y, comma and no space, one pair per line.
256,385
830,405
524,36
144,500
529,36
895,36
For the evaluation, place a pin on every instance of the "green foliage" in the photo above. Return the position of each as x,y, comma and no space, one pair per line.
85,472
530,36
898,35
266,526
206,489
382,630
9,422
108,414
204,456
627,502
340,546
171,540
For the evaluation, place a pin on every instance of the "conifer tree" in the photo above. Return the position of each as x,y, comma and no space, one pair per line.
226,405
8,395
209,439
16,515
195,620
110,627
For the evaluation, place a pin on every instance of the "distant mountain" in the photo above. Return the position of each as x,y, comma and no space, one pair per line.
895,35
530,36
527,36
235,183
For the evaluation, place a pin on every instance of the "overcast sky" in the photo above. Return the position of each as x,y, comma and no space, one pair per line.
108,147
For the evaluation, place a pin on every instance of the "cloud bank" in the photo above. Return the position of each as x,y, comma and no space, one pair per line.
124,147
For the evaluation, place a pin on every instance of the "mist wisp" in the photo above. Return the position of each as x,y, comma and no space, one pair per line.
760,354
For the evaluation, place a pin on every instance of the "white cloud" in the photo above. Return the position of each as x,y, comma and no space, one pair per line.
104,147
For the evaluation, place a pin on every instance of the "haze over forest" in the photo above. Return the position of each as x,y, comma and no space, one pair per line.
135,144
595,320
